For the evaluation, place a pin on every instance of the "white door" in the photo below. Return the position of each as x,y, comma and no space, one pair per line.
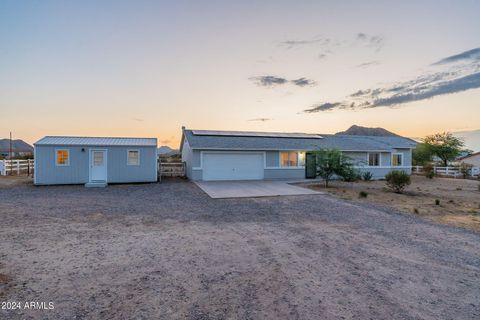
233,166
98,165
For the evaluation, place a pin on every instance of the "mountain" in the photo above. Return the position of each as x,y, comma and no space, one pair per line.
17,146
365,131
165,150
471,138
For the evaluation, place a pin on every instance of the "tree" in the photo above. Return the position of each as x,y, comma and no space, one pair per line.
444,145
331,162
421,155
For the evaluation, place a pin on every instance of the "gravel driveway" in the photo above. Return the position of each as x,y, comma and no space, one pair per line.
168,251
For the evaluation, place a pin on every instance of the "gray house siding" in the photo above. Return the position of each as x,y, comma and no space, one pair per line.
77,172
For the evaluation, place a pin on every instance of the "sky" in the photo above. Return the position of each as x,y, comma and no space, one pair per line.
146,68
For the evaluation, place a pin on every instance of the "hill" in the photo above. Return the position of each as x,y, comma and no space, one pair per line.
17,146
365,131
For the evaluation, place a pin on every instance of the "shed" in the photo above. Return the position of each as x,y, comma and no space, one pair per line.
94,161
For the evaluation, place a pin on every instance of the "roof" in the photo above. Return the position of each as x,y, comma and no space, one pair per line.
254,134
257,141
469,155
96,141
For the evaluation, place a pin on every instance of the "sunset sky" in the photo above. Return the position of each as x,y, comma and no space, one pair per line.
145,68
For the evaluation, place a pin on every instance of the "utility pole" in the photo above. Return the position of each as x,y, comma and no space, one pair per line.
10,153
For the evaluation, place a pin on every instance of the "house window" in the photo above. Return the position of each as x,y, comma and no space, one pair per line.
133,157
397,159
62,157
374,159
292,159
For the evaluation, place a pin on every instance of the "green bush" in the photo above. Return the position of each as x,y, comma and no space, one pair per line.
367,176
362,194
397,180
350,174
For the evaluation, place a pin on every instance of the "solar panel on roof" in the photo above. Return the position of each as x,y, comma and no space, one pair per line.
255,134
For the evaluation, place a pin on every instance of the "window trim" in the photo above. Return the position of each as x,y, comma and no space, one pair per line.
401,161
56,157
138,159
379,159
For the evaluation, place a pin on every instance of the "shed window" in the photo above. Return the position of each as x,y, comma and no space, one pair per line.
374,159
292,159
397,159
133,157
62,157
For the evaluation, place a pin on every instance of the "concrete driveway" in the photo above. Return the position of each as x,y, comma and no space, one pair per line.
247,189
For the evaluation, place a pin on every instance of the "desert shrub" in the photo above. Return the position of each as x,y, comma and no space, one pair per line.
397,180
367,176
363,194
415,210
466,170
437,202
428,171
478,187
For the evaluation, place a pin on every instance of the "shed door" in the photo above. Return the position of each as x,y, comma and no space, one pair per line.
98,165
233,166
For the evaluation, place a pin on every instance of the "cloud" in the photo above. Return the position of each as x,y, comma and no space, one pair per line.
302,82
463,76
368,64
329,106
137,119
446,87
270,81
473,54
373,41
166,141
261,119
289,44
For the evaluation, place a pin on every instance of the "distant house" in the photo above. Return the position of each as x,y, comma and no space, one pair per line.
95,161
233,155
472,159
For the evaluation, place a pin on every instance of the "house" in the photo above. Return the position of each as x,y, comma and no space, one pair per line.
472,159
233,155
94,161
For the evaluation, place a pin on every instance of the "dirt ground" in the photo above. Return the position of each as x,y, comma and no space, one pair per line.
168,251
459,198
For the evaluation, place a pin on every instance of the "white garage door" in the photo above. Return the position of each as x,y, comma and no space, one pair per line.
232,166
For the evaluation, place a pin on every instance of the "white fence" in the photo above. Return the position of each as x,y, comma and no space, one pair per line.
448,171
172,169
16,167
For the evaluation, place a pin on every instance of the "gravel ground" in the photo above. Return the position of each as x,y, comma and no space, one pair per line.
168,251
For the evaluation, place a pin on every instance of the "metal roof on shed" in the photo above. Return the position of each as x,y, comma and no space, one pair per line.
249,142
96,141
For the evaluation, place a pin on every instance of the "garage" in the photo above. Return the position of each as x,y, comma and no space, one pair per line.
232,166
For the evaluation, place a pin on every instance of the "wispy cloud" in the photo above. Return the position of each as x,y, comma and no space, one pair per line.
137,119
302,82
461,73
368,64
373,41
261,119
329,46
270,81
473,54
292,43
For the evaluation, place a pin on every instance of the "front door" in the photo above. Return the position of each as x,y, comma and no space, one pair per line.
98,165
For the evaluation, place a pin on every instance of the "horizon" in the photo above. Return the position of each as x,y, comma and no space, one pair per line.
121,68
